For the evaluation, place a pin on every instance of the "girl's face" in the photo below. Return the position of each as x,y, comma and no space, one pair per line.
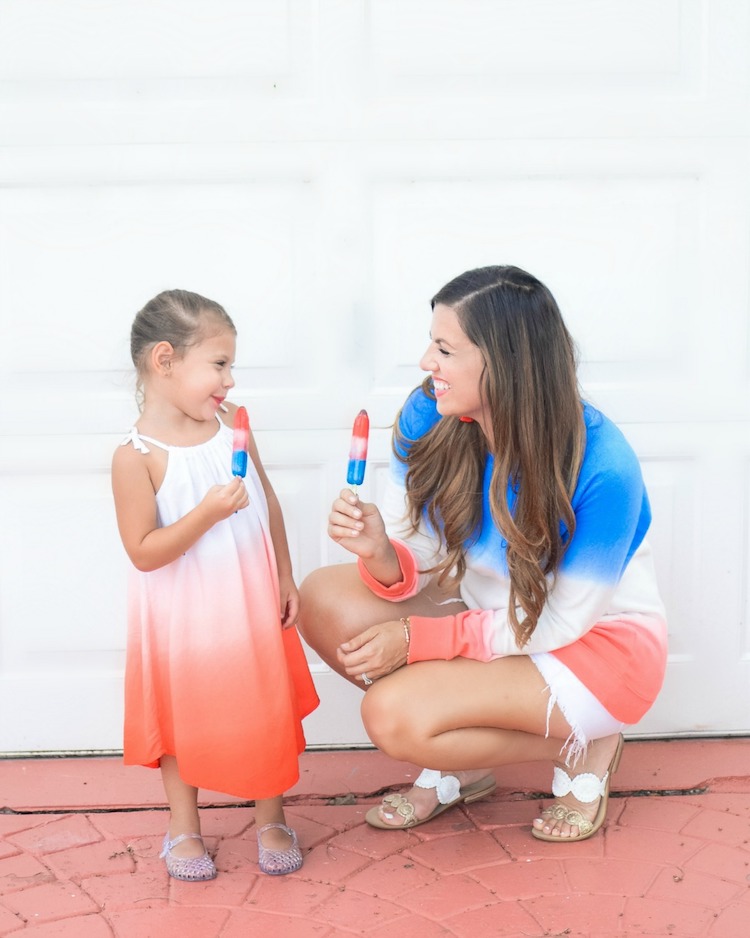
202,377
456,365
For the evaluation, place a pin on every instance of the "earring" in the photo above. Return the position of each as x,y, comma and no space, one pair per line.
466,419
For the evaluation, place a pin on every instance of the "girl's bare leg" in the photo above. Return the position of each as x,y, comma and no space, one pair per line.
183,809
271,811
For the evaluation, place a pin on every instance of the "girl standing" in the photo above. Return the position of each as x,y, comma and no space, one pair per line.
216,679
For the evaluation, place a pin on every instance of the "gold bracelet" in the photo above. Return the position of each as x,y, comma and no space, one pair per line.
407,631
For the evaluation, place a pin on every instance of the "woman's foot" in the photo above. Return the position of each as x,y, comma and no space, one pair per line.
432,793
580,804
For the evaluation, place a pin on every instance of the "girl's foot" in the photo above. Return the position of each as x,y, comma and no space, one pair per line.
275,836
432,793
580,805
278,849
190,847
192,868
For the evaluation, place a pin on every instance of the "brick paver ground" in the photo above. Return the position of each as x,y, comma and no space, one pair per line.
79,845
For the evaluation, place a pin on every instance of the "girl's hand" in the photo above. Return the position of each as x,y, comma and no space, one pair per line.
289,601
221,501
357,526
376,652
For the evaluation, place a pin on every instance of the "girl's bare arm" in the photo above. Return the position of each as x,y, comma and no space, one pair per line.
148,545
289,596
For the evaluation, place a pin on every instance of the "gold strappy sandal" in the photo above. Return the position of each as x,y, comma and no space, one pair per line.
449,793
586,788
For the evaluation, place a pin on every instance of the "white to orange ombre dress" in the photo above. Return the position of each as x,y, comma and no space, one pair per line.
211,676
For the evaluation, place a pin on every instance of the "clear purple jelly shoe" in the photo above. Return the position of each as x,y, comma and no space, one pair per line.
190,869
278,862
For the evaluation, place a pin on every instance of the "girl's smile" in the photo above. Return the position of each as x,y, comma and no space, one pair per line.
201,378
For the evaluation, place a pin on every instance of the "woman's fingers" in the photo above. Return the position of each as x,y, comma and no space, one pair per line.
340,526
376,651
345,519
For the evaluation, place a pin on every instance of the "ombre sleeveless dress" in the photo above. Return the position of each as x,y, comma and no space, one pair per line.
211,676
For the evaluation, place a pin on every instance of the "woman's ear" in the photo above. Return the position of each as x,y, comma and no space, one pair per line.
162,355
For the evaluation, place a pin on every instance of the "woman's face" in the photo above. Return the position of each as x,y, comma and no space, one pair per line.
456,366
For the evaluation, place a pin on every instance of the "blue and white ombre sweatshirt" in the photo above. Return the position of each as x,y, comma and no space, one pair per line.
603,617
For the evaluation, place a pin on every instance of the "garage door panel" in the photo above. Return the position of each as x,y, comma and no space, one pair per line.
321,169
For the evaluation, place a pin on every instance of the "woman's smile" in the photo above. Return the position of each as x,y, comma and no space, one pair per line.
456,365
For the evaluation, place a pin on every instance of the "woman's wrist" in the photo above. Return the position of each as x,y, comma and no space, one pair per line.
406,623
384,565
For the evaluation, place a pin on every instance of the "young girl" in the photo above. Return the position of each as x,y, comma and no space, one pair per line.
216,680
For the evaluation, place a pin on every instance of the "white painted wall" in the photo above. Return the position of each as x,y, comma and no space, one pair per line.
322,167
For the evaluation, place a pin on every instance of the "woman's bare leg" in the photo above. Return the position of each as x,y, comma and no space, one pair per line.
459,714
462,713
597,760
335,605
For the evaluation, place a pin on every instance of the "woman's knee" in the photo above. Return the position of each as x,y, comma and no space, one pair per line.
385,715
320,598
331,608
316,590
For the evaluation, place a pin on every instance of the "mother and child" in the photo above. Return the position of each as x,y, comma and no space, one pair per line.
503,606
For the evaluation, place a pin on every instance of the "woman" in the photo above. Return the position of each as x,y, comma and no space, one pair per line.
504,606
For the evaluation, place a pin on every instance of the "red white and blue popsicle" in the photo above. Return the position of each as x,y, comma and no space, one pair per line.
355,472
241,442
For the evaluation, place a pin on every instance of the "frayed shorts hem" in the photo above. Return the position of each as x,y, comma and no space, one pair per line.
587,717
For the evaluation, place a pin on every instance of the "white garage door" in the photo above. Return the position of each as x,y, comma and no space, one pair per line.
321,168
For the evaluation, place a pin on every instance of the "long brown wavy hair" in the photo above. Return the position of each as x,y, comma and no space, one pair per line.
530,388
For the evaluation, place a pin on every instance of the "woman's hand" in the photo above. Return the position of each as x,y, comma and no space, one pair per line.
357,526
375,652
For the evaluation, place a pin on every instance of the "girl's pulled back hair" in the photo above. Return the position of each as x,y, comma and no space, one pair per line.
179,317
530,389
